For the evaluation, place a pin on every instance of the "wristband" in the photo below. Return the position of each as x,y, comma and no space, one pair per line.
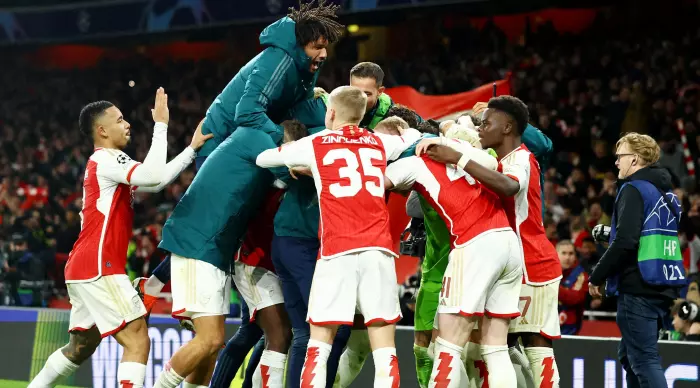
463,161
160,126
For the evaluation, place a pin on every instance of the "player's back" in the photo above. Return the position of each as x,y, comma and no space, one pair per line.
106,219
349,175
524,212
271,81
466,206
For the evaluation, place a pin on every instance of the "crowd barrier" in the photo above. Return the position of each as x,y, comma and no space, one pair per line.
29,336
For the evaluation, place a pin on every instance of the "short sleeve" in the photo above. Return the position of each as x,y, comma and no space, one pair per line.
517,167
403,173
115,166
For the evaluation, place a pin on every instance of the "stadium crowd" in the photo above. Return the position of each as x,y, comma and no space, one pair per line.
581,93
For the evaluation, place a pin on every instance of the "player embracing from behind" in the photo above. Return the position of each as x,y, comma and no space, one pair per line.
518,185
483,276
356,268
103,301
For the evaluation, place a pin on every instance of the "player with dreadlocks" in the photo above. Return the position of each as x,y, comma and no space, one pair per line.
206,227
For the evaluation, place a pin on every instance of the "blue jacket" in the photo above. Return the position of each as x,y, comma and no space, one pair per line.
262,92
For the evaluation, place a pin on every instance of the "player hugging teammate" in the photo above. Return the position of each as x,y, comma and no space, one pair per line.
517,183
488,260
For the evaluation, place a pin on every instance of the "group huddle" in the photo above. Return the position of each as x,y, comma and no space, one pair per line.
290,202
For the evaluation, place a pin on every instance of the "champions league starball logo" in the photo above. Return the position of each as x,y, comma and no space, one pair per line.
162,15
662,213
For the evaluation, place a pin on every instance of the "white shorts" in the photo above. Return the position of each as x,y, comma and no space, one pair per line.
110,302
259,287
366,280
483,277
539,311
199,289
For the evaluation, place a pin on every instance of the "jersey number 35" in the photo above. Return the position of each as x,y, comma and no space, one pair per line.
353,159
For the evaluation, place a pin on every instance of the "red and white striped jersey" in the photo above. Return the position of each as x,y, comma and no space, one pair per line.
466,206
348,167
106,218
525,216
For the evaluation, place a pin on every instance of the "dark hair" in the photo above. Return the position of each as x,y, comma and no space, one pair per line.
368,70
588,239
407,114
314,22
676,308
429,126
513,107
294,129
90,113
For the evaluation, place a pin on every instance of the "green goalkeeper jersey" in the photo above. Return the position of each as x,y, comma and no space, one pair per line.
437,244
437,251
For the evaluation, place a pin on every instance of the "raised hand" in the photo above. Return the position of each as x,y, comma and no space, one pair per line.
479,108
160,109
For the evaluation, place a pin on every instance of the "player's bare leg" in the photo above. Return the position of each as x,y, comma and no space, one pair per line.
540,355
448,368
320,343
353,358
278,335
386,365
136,343
204,345
63,362
201,376
494,351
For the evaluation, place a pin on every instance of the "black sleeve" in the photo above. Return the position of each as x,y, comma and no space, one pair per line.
629,216
693,337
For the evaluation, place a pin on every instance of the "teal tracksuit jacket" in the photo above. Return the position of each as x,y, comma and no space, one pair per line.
210,220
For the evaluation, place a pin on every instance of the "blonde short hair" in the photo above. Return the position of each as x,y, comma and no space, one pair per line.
349,104
393,123
643,145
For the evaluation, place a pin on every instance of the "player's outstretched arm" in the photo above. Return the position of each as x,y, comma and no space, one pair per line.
462,147
290,155
264,86
176,166
495,181
401,175
298,153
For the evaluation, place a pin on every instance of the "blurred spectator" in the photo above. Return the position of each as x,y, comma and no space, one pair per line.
588,253
572,290
689,330
407,297
22,265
